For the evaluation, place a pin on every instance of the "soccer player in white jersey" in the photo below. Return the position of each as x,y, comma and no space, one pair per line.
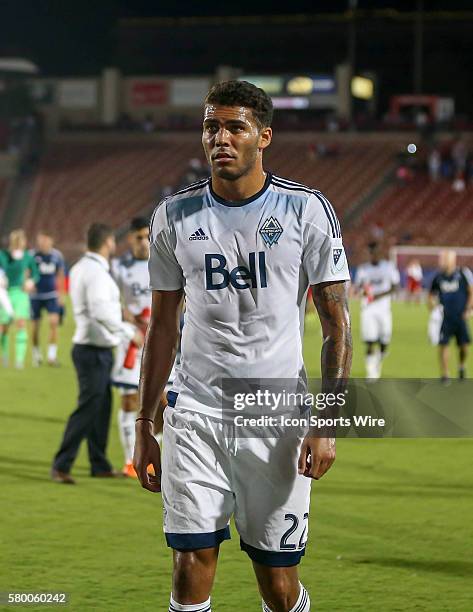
377,280
243,246
132,276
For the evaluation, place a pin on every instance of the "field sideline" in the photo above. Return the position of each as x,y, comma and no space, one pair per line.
391,524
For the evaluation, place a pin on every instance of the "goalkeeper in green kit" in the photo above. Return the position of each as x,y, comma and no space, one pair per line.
21,274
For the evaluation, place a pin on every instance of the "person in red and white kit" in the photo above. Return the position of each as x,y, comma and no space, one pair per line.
414,280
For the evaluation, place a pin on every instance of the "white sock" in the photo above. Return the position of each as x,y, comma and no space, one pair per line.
372,365
177,607
36,352
126,428
52,352
303,601
302,604
379,364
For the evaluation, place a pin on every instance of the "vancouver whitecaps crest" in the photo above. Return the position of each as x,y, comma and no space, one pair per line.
271,231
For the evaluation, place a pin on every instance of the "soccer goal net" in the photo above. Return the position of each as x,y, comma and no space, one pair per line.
428,258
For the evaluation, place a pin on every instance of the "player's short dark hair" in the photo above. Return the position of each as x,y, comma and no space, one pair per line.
138,223
97,234
242,93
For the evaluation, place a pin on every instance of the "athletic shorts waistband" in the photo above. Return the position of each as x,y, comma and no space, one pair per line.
194,541
272,558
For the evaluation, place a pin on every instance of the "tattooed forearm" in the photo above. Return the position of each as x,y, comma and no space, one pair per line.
331,302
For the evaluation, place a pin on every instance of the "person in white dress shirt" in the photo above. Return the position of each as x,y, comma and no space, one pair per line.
99,327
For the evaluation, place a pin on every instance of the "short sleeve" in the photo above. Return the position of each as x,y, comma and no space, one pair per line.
33,268
323,257
165,273
395,276
360,276
435,287
60,262
468,276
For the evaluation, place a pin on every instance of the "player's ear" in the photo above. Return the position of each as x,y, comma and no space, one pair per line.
265,138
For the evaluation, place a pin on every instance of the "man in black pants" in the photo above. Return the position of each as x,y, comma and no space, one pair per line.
99,327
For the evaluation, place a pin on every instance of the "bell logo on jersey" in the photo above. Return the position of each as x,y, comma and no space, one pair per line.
137,290
449,286
46,267
218,277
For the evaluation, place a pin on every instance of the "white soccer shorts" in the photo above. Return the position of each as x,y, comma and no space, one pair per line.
435,325
208,475
127,380
376,325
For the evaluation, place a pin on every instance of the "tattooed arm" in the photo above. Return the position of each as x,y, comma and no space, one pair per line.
330,299
331,302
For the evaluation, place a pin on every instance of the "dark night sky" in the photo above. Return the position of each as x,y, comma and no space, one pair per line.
72,37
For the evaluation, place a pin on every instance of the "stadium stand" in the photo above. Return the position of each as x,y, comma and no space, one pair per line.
421,212
345,171
80,181
3,194
83,179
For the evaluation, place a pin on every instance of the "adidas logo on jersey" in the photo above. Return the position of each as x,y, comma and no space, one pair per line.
198,235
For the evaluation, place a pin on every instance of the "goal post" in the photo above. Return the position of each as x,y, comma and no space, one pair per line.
428,257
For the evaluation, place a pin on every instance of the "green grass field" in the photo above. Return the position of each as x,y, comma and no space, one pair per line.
391,524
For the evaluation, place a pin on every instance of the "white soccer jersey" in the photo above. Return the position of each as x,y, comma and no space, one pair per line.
132,277
245,268
379,277
414,270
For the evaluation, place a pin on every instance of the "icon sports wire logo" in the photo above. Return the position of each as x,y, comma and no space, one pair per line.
198,235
